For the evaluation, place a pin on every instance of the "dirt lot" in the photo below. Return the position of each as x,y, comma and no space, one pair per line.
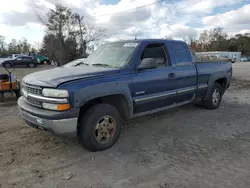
188,147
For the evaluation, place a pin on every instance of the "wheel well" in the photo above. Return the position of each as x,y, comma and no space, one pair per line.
119,101
222,82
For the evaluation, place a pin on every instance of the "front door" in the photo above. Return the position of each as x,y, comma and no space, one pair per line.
20,61
153,88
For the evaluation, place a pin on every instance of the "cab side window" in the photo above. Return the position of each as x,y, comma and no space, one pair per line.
181,54
156,51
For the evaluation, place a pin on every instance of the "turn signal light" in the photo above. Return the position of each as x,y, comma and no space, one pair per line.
56,107
61,107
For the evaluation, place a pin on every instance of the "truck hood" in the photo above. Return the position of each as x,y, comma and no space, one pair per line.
56,76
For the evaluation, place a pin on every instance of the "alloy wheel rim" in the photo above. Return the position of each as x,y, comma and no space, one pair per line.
216,96
105,129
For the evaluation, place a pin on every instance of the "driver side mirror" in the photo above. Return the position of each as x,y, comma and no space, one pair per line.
147,63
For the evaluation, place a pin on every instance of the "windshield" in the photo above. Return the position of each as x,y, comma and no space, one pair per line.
112,55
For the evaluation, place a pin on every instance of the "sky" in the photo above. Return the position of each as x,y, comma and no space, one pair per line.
125,19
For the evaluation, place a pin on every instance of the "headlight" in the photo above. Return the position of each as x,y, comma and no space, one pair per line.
57,93
57,107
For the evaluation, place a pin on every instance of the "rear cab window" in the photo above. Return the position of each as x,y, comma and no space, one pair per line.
179,53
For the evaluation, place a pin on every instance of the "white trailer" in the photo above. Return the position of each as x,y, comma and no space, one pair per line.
231,56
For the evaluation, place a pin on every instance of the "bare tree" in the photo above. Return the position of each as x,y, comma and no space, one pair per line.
59,23
2,43
88,33
69,29
204,39
168,37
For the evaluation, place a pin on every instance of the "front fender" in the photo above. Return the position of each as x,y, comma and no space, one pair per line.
86,94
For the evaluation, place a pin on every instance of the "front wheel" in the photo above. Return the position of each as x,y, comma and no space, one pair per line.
7,65
100,127
214,99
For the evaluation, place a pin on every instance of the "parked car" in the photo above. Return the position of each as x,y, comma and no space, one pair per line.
124,79
13,56
2,60
27,61
40,59
245,59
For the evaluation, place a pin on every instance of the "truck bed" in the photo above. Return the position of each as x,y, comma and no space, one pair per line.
211,68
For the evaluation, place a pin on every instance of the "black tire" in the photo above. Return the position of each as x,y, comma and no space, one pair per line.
31,65
231,61
43,62
18,94
88,123
1,97
211,102
7,65
4,76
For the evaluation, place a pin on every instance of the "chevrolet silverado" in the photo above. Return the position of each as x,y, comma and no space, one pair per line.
120,80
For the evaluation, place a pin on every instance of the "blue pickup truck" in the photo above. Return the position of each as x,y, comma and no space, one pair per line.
89,97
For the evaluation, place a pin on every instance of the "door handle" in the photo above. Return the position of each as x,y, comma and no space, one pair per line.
171,75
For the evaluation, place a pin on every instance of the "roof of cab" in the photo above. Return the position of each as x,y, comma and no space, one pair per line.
146,40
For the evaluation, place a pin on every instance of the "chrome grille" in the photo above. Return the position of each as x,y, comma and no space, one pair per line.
36,90
33,102
32,89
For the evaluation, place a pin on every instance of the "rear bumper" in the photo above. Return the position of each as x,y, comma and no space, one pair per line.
58,123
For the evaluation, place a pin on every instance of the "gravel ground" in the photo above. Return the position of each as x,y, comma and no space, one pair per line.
187,147
241,70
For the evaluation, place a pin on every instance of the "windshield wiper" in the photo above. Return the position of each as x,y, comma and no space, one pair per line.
101,65
82,63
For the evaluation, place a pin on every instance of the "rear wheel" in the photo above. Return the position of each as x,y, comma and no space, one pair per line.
214,99
231,61
100,127
31,65
45,62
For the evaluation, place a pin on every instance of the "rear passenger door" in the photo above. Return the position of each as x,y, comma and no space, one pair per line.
153,88
19,61
185,71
